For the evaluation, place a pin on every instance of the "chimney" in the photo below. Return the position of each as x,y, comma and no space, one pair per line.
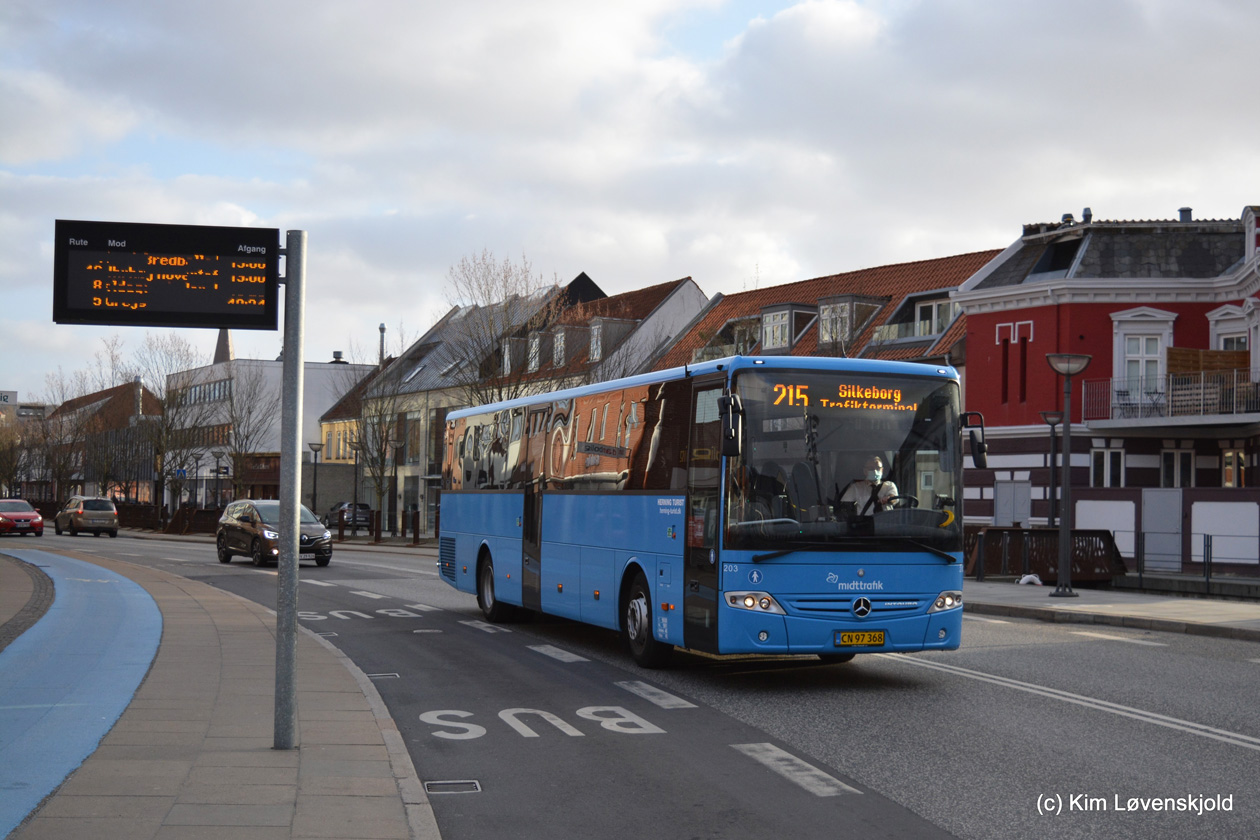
1087,215
139,389
1185,214
337,360
381,362
1068,220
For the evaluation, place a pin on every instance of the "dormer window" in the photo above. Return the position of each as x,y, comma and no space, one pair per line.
833,323
774,330
597,341
535,345
557,350
934,316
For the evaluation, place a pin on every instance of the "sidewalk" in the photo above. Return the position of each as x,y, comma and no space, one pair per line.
191,757
1145,611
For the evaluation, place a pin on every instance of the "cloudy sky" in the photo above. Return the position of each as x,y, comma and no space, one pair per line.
740,142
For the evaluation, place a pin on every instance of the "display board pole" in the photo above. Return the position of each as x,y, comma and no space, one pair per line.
290,500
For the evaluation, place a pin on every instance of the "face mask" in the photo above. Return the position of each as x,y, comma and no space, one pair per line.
874,475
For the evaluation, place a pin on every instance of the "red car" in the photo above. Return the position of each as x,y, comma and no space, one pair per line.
18,517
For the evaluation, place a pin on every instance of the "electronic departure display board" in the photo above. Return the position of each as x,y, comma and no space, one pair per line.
129,274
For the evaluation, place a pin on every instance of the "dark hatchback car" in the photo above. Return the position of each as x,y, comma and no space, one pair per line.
360,514
250,528
18,517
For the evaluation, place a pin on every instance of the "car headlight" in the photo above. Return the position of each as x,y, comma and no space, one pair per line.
327,535
755,601
950,600
5,519
270,535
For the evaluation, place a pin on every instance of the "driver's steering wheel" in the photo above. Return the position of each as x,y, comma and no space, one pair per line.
902,501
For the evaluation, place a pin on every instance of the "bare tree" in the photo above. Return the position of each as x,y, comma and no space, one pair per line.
248,413
12,456
184,430
500,303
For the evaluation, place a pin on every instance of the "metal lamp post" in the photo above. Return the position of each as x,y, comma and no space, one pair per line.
196,477
315,448
218,480
1066,365
355,447
1053,419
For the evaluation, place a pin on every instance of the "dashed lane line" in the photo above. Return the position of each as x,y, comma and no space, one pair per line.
558,654
654,695
1113,638
796,770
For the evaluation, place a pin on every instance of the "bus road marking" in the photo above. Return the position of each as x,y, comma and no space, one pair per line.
372,595
424,608
985,620
558,653
795,770
654,695
486,627
1112,638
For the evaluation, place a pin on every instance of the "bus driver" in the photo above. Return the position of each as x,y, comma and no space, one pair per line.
868,492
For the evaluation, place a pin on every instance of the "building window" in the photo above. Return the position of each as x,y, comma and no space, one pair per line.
1176,468
597,342
1232,468
833,323
775,326
557,349
1142,362
934,316
1234,342
1106,468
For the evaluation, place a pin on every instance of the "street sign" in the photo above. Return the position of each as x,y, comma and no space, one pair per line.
129,274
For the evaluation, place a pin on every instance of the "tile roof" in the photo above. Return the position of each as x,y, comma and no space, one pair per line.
633,306
895,282
113,407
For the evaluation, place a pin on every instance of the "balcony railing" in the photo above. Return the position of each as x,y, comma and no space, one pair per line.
1202,394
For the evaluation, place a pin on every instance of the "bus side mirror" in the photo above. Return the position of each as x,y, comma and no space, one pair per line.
731,419
979,449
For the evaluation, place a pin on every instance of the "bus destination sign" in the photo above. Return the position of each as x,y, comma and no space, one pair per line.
129,274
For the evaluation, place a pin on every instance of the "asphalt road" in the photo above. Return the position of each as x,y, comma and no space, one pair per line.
1031,729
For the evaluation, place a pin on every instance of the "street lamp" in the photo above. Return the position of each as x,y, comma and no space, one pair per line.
398,446
218,481
1066,365
315,447
1052,419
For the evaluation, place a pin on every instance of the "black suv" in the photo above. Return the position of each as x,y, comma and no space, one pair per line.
249,528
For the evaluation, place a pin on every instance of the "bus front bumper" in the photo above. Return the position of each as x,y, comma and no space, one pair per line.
743,631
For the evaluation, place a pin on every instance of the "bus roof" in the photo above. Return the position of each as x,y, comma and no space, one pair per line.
728,365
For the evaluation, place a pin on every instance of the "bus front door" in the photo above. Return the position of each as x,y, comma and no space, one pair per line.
704,470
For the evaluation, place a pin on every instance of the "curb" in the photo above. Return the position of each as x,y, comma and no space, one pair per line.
1135,622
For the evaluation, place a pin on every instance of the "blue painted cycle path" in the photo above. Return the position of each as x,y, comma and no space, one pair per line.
67,679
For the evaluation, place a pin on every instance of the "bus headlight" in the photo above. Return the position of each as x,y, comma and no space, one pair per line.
755,601
947,601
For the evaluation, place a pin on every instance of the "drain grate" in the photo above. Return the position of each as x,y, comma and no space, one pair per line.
460,786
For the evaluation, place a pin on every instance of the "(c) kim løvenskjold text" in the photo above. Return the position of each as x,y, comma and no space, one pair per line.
1190,803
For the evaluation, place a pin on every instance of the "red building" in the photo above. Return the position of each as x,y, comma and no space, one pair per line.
1165,417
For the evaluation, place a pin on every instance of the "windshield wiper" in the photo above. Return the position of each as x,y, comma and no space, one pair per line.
757,558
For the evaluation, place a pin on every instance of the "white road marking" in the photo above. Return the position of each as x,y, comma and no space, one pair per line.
383,677
795,770
654,695
985,620
426,631
1199,729
371,595
1113,638
558,653
317,582
424,608
486,627
1254,660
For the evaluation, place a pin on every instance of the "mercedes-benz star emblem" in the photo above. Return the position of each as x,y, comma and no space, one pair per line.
862,607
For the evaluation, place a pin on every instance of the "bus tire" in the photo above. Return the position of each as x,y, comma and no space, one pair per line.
492,608
636,626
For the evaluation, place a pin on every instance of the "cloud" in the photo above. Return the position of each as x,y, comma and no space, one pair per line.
734,142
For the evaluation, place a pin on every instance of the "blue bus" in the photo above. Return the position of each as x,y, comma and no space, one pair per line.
747,505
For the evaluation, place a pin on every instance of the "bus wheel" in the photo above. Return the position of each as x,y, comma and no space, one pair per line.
836,658
636,626
493,609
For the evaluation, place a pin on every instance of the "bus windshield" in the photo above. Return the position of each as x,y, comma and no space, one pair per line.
834,460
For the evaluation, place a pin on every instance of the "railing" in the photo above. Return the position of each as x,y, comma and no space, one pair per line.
1176,395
